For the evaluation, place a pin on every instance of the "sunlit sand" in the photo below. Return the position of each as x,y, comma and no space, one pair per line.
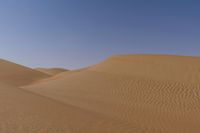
123,94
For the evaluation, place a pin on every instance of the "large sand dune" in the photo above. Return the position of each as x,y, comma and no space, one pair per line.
123,94
18,75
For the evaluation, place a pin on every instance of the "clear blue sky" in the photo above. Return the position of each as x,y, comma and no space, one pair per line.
77,33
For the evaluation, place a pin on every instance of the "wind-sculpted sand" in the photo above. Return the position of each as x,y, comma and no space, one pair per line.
123,94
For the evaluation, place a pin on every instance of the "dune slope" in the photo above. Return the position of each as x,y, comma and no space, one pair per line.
18,75
148,93
25,112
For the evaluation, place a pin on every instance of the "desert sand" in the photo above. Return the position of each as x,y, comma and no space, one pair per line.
123,94
51,71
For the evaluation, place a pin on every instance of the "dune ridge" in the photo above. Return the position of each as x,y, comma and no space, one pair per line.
158,67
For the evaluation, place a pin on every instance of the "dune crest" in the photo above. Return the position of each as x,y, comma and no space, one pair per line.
158,67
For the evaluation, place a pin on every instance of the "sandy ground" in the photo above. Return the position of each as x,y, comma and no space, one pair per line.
123,94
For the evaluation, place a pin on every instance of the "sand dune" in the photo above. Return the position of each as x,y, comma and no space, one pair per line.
123,94
150,93
18,75
51,71
158,67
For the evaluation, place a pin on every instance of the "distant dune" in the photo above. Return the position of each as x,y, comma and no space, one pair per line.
51,71
123,94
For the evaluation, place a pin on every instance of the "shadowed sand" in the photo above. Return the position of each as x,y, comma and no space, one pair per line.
123,94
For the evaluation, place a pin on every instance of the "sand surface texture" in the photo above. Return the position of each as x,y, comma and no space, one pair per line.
123,94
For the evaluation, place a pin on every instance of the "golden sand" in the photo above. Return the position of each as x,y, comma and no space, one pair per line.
123,94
